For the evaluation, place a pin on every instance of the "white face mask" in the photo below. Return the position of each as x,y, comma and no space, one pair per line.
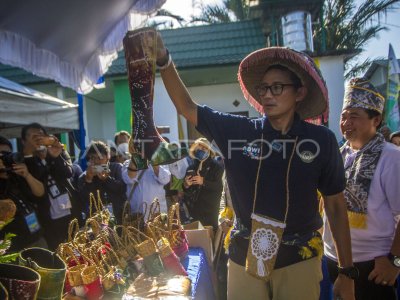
41,148
123,150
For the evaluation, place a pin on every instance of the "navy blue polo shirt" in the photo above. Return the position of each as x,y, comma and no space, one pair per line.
316,164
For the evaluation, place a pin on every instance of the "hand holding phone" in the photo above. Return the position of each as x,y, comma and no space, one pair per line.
48,140
188,178
99,169
190,173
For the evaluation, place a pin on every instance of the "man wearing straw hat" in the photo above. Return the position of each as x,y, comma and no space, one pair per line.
274,166
372,168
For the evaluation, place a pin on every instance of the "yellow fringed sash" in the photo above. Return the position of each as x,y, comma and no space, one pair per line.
227,213
227,240
357,220
314,244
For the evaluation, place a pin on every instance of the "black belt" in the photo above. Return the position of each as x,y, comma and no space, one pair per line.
297,239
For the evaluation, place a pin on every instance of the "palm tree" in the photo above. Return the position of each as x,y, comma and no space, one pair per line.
229,11
348,27
164,19
344,26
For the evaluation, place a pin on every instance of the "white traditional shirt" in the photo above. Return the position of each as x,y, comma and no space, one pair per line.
149,187
383,210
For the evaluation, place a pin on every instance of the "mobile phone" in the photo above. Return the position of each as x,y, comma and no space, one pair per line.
48,140
190,173
98,169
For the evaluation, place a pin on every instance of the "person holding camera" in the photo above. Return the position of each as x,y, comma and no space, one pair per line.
18,184
202,186
47,160
103,176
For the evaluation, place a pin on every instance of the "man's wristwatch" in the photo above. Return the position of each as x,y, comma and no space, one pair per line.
351,272
395,260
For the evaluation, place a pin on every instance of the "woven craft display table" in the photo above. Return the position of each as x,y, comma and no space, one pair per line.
199,273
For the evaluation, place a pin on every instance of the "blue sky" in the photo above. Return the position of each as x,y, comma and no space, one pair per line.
378,47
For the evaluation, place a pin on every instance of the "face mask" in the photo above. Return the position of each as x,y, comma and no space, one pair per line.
41,148
201,154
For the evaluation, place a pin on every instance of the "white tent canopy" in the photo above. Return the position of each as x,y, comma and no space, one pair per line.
20,105
70,41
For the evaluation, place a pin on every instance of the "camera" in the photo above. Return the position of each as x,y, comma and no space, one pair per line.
48,140
11,158
98,169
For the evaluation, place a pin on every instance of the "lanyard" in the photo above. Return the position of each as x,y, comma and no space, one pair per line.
287,177
22,203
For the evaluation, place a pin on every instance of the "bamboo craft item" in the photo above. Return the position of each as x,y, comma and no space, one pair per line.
74,264
113,273
97,210
147,249
117,244
177,236
170,260
130,218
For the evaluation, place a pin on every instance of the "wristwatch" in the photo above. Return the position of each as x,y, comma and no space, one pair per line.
395,260
351,272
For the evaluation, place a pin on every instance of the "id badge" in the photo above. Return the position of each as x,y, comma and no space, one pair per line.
54,191
63,202
32,222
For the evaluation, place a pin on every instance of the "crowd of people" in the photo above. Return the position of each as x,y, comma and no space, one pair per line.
281,189
49,190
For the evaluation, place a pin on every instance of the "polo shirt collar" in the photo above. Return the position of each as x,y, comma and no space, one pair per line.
297,128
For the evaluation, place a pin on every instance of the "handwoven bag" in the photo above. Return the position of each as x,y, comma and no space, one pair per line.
51,268
19,281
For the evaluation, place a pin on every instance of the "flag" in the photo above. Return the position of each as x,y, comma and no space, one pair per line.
392,114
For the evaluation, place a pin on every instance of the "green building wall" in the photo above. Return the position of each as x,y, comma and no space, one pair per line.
122,104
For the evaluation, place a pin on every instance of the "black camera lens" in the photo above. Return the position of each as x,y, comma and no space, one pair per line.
11,158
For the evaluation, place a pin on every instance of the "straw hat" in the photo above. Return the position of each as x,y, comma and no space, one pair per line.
201,141
253,67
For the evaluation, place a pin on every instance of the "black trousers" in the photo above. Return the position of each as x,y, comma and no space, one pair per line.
364,288
56,231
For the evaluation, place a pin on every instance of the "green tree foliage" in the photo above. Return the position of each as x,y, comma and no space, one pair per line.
347,26
229,11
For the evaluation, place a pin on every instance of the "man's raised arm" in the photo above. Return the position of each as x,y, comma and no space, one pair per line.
175,87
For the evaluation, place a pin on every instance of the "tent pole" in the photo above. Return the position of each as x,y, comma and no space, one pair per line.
82,132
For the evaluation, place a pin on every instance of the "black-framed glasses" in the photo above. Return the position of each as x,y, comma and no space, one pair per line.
276,89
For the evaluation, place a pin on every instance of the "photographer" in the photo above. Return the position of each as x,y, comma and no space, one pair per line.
18,184
50,163
103,176
203,184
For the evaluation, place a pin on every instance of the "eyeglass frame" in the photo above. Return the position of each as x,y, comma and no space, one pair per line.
269,87
94,157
